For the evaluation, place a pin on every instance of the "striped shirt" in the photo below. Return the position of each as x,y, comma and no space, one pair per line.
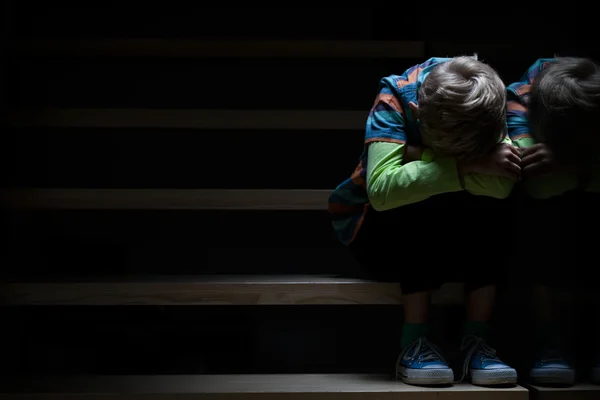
518,94
517,102
390,120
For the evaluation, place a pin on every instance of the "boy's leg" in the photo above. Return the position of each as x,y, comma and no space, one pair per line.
420,362
547,261
416,315
390,247
440,244
479,359
487,219
480,300
588,221
416,300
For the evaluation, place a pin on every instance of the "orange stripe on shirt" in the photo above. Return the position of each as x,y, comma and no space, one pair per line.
387,140
523,90
521,136
356,175
411,78
390,100
414,76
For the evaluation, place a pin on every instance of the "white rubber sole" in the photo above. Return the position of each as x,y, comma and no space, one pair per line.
493,377
552,376
425,376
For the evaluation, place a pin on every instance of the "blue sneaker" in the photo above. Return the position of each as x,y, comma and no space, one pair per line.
595,372
482,365
421,363
552,369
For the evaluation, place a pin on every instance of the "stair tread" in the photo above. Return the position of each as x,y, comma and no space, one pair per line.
578,387
220,48
211,290
244,384
189,118
580,391
168,199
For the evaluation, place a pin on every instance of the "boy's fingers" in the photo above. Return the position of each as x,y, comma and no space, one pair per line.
530,150
513,158
515,151
533,168
532,158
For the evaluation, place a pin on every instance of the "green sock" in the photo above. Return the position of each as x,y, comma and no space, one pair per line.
411,332
476,328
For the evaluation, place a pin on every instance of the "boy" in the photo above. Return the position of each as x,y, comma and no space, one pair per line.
552,116
435,159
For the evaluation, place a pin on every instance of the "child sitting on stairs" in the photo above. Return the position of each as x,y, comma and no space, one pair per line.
425,205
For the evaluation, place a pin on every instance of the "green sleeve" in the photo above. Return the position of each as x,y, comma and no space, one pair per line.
391,184
547,186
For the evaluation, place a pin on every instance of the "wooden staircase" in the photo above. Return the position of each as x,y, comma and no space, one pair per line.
249,387
181,156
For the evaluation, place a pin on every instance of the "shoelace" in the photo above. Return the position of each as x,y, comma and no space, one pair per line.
475,344
427,351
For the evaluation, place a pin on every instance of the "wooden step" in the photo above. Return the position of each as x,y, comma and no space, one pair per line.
190,119
43,157
251,387
581,391
154,47
212,290
209,20
198,83
166,199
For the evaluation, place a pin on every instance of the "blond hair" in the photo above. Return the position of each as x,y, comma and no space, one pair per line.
462,108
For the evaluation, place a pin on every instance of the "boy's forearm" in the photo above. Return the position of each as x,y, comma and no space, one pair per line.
392,182
497,186
411,183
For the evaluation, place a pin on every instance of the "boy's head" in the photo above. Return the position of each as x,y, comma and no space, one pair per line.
564,107
462,108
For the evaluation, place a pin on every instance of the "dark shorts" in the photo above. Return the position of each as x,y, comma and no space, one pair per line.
454,237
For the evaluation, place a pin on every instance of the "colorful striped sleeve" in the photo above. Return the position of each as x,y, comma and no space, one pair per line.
517,101
386,118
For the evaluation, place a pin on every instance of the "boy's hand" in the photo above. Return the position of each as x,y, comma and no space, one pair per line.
538,160
503,161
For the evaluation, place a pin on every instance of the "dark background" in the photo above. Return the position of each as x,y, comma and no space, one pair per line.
220,339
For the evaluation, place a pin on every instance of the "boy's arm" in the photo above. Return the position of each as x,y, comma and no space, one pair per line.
391,184
475,183
519,132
